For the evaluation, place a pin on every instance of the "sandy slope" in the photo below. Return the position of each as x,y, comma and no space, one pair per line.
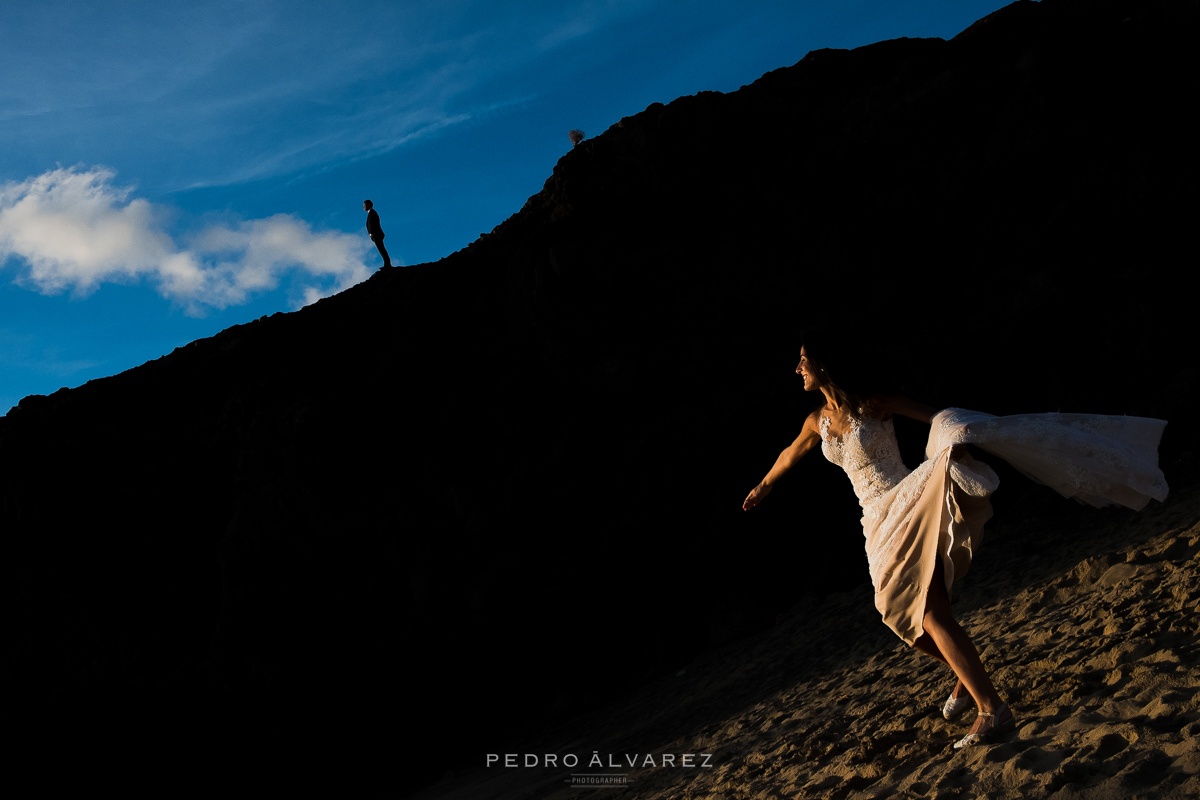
1088,621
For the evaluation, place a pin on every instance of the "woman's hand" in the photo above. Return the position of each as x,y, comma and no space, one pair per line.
756,496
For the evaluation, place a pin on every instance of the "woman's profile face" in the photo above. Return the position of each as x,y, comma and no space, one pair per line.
806,371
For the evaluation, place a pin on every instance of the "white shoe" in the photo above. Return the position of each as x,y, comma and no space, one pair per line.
992,733
955,706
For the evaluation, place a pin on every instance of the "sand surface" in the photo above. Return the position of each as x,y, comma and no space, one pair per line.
1087,619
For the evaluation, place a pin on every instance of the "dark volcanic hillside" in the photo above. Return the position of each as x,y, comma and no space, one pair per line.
486,492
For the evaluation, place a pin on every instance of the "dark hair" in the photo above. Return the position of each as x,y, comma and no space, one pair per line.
368,204
854,373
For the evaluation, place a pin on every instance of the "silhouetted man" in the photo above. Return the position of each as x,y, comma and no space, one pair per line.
376,232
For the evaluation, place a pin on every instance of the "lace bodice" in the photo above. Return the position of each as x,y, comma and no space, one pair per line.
869,454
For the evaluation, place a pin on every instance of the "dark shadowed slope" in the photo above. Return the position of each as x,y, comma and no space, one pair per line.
465,499
1091,633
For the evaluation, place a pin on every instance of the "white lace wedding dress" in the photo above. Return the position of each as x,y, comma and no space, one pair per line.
911,517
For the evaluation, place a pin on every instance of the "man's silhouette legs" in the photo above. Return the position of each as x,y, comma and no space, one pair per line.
387,260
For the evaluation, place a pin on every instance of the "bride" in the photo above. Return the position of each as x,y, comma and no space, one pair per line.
922,526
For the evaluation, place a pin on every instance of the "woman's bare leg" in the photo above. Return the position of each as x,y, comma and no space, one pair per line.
925,645
956,649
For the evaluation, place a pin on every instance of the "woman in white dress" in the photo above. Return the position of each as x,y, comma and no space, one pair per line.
921,526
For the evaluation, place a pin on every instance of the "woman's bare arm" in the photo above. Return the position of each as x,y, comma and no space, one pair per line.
907,407
809,438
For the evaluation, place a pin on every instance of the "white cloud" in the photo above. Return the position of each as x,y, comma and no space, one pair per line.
74,230
253,256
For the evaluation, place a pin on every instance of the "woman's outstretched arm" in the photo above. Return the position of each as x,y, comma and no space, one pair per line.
809,438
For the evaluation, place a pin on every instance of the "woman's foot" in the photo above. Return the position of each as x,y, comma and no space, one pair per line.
989,725
958,702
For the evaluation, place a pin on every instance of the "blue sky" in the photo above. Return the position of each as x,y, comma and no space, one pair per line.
171,169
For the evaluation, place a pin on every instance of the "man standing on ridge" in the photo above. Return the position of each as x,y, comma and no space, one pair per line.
376,232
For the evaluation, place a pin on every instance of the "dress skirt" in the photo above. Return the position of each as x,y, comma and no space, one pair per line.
939,509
